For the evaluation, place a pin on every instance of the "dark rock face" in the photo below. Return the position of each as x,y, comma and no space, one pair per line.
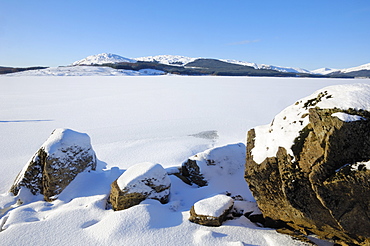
191,171
325,187
213,164
65,154
139,182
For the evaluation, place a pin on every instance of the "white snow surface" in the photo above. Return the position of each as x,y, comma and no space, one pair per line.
286,125
355,166
102,58
135,177
84,71
62,138
347,117
132,120
213,206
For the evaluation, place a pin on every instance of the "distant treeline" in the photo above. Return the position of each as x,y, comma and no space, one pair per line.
4,70
208,67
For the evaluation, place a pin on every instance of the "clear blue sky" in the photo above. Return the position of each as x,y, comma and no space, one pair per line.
308,34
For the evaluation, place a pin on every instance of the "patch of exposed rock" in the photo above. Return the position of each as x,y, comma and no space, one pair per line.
139,182
212,211
212,164
321,184
64,155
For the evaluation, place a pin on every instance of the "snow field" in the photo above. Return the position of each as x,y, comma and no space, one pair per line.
132,120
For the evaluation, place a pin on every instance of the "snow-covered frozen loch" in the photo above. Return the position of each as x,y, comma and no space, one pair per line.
133,119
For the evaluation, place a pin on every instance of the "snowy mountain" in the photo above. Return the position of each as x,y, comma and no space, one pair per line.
102,59
183,60
168,59
355,69
325,71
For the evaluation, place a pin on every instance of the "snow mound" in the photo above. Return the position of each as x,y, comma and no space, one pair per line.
213,206
62,138
168,59
103,58
85,71
221,161
288,123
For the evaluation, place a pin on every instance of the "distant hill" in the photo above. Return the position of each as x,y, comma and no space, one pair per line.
102,59
5,70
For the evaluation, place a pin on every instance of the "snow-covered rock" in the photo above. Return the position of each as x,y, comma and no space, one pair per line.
103,58
139,182
59,160
211,211
214,163
307,167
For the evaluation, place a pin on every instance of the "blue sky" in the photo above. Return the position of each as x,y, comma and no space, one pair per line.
308,34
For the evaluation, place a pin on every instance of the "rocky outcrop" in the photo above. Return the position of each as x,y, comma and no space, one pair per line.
212,164
321,184
59,160
212,211
139,182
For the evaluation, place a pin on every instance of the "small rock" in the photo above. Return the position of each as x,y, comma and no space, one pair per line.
139,182
211,211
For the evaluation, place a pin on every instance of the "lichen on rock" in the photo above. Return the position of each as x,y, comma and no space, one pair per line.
318,183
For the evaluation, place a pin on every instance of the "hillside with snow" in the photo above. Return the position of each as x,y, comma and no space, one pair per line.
363,70
168,59
102,59
85,71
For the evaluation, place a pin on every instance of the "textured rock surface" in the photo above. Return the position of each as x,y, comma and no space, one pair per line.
139,182
323,188
211,211
65,154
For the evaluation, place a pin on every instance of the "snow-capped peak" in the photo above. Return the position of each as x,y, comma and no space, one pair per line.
102,59
324,71
168,59
359,68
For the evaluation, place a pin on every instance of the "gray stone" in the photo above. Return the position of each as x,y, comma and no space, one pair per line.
59,160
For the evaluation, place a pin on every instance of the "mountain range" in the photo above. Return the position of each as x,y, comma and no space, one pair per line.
183,61
182,65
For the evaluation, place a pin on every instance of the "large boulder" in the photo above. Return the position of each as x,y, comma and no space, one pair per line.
212,211
310,167
139,182
65,154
